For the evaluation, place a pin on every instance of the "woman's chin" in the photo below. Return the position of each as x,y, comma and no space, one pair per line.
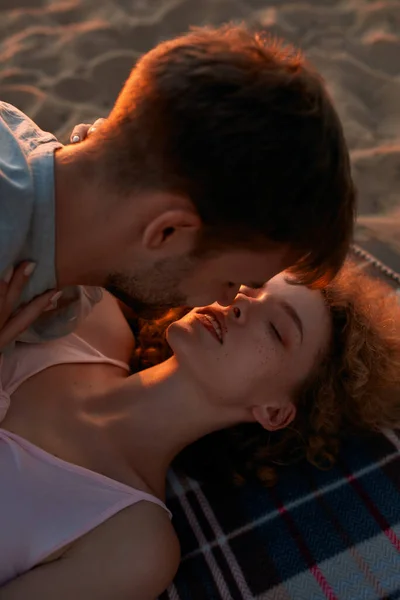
179,333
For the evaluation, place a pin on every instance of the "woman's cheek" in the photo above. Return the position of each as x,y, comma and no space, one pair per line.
263,363
270,358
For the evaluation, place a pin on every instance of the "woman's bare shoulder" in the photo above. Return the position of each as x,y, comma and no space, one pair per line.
134,554
141,543
141,523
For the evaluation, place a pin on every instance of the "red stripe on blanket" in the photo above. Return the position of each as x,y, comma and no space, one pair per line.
375,512
305,551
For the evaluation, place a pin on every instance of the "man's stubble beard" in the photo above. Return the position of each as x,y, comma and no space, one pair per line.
151,293
140,309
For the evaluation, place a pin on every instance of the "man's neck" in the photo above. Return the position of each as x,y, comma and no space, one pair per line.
70,219
80,219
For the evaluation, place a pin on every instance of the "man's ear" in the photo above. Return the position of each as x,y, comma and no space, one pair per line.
274,417
174,230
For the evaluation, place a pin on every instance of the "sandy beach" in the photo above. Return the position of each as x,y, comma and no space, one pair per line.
63,62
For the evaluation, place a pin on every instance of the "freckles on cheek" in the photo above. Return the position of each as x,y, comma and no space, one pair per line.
271,358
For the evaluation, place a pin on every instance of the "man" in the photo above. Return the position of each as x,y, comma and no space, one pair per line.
222,163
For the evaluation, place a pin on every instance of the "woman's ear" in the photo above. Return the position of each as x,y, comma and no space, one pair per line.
274,417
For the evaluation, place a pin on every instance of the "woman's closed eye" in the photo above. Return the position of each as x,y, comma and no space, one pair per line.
275,332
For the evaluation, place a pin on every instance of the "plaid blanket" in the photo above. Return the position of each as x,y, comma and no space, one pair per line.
316,535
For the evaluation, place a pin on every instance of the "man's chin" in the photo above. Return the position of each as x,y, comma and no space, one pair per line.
140,309
151,313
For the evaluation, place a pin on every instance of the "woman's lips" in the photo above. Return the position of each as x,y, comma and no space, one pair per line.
217,318
212,325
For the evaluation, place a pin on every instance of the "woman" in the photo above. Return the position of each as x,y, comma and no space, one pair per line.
85,448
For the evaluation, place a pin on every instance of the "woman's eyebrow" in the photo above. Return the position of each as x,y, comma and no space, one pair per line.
293,314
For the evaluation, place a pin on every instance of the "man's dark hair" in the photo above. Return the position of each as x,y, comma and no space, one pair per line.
244,127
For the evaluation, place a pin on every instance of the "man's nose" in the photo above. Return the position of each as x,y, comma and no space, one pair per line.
228,295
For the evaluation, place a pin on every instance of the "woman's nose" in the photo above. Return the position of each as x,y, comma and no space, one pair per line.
236,312
240,308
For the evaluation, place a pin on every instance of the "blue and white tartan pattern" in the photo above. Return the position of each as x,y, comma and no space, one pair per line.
316,535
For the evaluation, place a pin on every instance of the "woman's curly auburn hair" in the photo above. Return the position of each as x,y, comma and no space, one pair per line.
354,388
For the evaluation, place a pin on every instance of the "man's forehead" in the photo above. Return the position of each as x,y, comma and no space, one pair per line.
254,257
278,280
249,268
255,285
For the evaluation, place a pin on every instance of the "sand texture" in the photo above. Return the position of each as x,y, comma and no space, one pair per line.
64,61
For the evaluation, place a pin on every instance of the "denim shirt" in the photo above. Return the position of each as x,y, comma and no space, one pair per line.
27,222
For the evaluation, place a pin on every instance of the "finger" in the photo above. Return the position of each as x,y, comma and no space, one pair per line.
12,294
16,286
4,283
79,132
25,317
95,125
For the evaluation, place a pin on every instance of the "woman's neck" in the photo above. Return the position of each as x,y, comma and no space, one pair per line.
163,412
